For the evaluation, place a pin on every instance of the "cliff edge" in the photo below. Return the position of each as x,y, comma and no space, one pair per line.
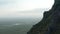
50,24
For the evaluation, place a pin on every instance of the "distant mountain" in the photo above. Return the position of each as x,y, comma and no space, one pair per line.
50,24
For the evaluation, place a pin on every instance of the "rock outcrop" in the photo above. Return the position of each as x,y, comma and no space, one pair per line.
50,24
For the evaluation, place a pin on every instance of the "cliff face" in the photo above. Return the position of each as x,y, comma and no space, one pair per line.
50,24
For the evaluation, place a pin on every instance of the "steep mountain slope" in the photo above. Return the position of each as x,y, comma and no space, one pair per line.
50,24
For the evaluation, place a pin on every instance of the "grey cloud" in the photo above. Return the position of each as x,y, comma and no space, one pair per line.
39,10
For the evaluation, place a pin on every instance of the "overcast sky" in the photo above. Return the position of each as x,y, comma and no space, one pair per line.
11,7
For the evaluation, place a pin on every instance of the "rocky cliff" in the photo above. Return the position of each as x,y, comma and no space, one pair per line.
50,24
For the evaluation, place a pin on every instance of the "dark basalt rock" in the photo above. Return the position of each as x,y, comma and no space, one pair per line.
50,24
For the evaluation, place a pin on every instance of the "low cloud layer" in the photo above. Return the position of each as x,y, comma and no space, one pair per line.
14,7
